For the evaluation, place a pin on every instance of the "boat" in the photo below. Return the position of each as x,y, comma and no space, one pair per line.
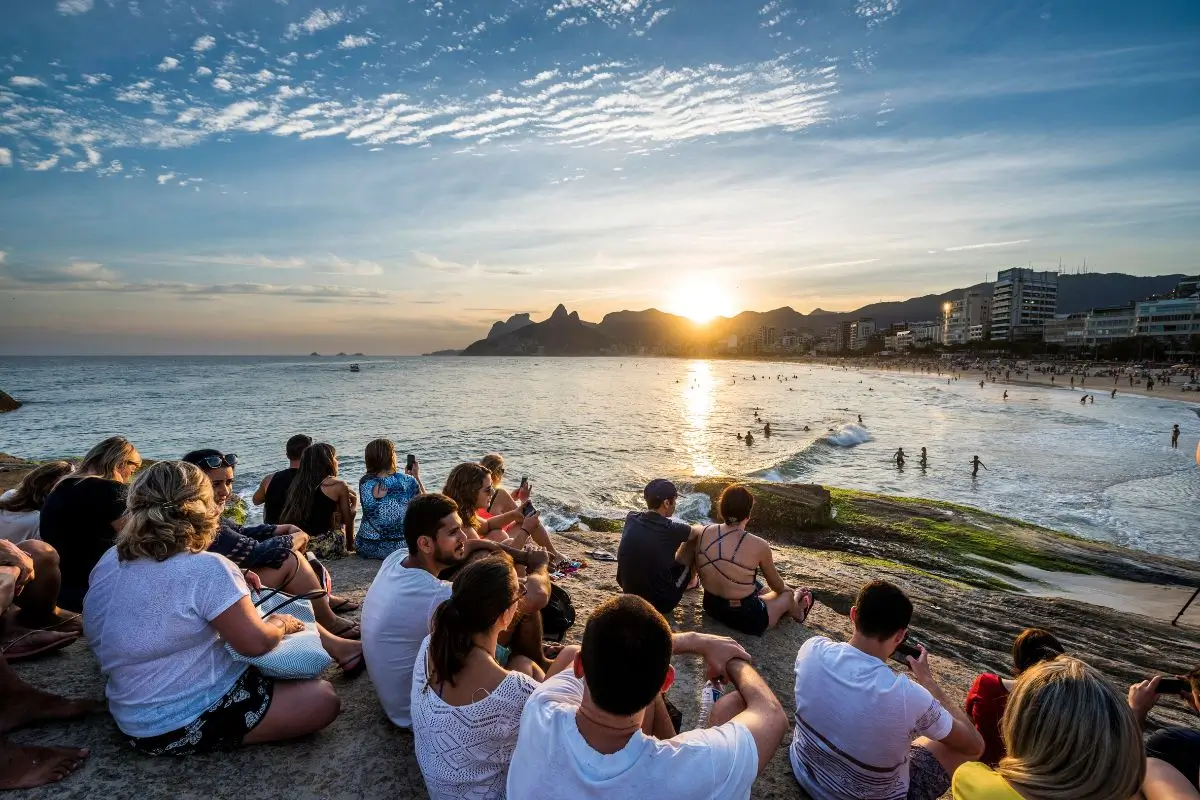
354,368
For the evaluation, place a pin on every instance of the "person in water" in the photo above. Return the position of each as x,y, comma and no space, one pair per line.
860,422
1175,437
1114,394
767,430
1005,394
749,438
899,458
924,458
975,465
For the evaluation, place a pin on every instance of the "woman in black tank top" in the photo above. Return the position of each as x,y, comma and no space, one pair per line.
276,495
314,497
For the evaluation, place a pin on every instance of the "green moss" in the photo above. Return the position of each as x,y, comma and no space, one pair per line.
959,538
236,511
602,524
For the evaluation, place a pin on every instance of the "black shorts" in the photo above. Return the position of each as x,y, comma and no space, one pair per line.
748,615
1179,747
927,778
222,726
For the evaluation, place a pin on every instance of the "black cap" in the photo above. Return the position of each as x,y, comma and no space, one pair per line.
658,491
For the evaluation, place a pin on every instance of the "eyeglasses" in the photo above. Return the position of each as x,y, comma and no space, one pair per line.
214,462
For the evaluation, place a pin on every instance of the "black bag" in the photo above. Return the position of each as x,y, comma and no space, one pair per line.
559,614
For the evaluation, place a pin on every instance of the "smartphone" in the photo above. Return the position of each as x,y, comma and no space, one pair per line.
1171,685
528,510
907,649
524,483
412,462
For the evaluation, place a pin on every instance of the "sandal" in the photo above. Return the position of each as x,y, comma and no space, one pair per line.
350,632
806,594
354,667
21,647
343,605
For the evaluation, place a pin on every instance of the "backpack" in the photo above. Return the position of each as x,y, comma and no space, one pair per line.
559,614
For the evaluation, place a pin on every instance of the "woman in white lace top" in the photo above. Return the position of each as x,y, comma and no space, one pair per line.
468,693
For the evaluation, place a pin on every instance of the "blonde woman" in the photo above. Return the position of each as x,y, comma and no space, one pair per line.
21,508
158,616
83,513
1069,736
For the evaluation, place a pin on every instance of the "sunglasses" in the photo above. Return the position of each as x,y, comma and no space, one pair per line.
214,462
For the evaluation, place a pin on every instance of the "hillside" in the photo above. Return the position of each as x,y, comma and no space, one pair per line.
562,334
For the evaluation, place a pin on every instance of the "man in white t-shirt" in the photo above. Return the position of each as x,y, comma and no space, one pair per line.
585,733
862,731
399,606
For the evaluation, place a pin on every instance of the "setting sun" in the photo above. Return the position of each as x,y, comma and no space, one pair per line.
701,299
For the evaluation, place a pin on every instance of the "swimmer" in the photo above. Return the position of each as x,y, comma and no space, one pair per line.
807,428
860,422
739,436
1092,399
981,384
1175,437
899,458
1114,394
1005,394
749,438
924,458
975,465
767,430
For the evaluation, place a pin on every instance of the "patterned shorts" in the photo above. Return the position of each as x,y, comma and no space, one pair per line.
927,780
329,546
222,726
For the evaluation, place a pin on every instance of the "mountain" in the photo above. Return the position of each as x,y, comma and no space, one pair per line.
562,334
513,323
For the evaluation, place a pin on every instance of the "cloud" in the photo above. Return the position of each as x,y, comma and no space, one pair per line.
167,64
45,164
204,43
441,265
984,245
25,81
97,79
203,72
165,178
541,77
87,270
6,158
318,20
338,266
351,41
249,261
222,84
3,255
73,8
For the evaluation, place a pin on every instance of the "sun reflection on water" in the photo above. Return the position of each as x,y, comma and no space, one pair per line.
698,404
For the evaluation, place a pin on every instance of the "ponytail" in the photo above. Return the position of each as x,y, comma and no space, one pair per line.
482,592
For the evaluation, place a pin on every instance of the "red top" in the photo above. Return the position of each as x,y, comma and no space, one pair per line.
985,706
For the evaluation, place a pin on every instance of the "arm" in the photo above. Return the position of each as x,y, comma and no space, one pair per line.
963,737
260,494
8,586
770,574
244,631
763,716
537,576
346,505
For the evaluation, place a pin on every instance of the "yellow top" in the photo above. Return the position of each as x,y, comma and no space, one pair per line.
975,781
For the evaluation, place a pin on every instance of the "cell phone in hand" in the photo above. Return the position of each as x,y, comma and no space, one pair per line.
1170,685
524,483
907,649
528,510
412,462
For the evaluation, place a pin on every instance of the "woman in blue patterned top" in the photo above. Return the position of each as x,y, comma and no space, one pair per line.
384,493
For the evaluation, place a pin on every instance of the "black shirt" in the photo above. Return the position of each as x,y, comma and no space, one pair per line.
277,491
77,521
646,559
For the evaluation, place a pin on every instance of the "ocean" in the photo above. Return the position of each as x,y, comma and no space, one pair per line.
590,433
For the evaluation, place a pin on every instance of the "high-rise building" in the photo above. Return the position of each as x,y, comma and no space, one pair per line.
974,307
1023,301
861,330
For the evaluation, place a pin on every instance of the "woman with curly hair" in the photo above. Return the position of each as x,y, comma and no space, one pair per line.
159,614
470,486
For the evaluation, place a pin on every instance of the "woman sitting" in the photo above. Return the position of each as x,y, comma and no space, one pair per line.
158,616
315,497
728,560
385,493
470,485
989,694
467,692
1173,763
84,511
1068,735
21,508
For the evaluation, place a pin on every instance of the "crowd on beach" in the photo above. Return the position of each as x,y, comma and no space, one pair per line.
213,635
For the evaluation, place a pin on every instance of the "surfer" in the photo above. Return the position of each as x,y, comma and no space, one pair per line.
1175,437
899,458
975,465
924,458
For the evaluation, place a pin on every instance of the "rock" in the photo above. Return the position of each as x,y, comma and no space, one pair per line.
798,512
602,524
7,403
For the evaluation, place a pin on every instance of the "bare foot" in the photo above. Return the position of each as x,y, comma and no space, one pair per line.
22,643
802,606
22,705
29,767
346,630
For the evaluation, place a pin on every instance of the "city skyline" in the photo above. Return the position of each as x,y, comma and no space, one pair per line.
218,178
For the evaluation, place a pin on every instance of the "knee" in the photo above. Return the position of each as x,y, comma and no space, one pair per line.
326,705
44,556
535,598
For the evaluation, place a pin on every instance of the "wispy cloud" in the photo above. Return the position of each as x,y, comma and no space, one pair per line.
351,41
985,245
318,20
339,266
167,64
204,43
73,8
45,164
25,81
246,260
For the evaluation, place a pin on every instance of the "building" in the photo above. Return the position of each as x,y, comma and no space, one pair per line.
1111,324
845,335
1066,330
1023,301
1168,318
861,330
974,307
927,333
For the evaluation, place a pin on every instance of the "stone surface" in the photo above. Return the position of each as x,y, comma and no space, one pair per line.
7,403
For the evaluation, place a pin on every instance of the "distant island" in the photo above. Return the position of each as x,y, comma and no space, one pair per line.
443,353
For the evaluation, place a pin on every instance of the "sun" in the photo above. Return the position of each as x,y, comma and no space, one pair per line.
701,300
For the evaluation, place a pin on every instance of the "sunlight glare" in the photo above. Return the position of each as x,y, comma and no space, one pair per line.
701,299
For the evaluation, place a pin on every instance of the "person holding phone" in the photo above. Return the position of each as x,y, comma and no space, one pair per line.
470,486
385,493
1173,763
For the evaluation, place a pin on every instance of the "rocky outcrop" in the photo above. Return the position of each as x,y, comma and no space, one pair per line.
513,323
563,334
797,512
7,403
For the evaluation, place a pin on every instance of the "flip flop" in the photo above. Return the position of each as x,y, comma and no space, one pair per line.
18,649
601,555
346,606
354,667
811,603
353,632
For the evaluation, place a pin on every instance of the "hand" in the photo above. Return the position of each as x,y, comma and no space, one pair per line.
416,469
253,581
13,556
535,518
286,530
353,495
1143,697
536,557
288,624
921,672
299,541
718,651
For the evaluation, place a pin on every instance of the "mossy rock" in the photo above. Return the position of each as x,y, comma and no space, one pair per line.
602,524
799,512
236,511
7,403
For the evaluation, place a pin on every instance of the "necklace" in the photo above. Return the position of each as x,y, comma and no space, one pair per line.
623,729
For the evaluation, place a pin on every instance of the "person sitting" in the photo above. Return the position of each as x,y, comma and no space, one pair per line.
21,705
405,593
470,486
315,497
274,552
989,693
386,493
502,502
732,593
656,555
602,728
83,513
272,491
158,616
1068,735
856,720
21,507
1173,763
467,691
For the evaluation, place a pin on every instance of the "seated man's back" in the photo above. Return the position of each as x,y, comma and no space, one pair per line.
646,556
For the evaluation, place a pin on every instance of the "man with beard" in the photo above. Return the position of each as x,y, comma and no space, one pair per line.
407,590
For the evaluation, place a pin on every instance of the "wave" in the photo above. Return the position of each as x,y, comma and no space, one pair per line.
817,452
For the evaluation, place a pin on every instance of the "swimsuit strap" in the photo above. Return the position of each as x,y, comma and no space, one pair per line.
715,562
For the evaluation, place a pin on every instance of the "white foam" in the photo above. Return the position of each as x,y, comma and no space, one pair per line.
848,435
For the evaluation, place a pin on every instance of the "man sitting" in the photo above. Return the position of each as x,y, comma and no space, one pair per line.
584,732
407,590
656,554
273,489
274,552
856,720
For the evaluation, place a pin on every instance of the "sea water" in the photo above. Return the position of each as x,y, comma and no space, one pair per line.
591,432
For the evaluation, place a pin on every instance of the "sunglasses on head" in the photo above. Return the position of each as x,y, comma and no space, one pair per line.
214,462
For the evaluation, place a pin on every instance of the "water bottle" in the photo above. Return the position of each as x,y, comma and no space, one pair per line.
709,695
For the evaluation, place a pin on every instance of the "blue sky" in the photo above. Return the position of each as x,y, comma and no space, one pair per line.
272,177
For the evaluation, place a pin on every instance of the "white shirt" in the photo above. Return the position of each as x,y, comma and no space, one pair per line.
17,526
148,624
553,760
855,723
396,617
463,751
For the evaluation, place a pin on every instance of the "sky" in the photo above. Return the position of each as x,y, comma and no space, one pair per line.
284,176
